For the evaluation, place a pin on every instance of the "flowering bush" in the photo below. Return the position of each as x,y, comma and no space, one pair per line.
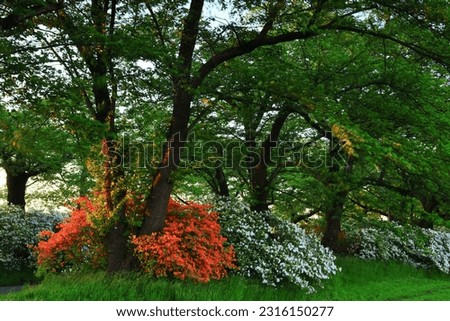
74,245
408,244
19,232
272,249
439,249
189,246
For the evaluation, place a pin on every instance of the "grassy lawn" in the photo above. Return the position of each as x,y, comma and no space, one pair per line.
15,278
359,280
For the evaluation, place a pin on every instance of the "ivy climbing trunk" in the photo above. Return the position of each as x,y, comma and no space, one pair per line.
98,58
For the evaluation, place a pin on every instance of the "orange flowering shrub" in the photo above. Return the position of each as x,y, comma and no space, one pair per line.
74,245
189,246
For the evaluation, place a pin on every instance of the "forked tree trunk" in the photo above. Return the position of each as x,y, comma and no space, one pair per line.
260,182
184,85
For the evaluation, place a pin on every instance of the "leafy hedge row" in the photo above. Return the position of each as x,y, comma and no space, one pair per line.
202,244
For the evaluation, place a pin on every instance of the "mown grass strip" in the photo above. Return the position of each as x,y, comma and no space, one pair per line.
359,280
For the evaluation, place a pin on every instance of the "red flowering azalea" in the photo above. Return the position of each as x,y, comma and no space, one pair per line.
189,246
75,242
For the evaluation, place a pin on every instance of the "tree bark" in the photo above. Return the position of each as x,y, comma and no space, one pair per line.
333,216
260,188
338,185
162,184
16,184
260,181
119,255
221,180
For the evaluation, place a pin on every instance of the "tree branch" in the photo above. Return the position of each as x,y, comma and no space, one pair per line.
443,60
271,17
189,37
245,48
159,30
14,20
368,208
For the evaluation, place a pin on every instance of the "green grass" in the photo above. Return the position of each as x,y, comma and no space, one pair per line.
8,278
359,280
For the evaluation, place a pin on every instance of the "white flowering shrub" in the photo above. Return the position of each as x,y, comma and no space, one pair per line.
439,249
18,233
408,244
274,250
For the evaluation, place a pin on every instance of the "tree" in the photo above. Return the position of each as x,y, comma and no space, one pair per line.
30,148
274,15
373,108
183,49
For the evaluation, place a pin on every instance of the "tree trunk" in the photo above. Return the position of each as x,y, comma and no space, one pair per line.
216,179
98,60
260,188
119,256
162,184
260,181
157,201
16,185
184,85
333,216
222,185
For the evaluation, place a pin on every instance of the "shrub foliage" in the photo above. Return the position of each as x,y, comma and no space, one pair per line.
189,246
19,233
409,244
272,249
75,245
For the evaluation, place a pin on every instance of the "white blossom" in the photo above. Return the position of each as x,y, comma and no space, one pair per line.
408,244
274,250
19,231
